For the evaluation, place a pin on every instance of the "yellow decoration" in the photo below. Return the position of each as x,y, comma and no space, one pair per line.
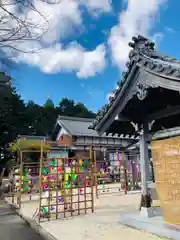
80,162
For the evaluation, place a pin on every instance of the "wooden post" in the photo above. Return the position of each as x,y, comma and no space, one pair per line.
124,167
145,197
95,174
21,179
91,170
40,177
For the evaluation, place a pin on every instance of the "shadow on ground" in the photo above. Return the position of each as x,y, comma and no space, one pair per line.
12,227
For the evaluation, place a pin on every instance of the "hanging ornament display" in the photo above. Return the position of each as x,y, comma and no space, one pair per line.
45,211
86,162
60,199
53,163
44,171
26,181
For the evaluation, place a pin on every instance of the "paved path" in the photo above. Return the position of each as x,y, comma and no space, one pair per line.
12,227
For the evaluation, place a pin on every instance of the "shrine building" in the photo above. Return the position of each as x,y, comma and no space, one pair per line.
146,100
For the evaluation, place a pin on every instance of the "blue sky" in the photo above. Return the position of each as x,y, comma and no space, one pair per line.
99,25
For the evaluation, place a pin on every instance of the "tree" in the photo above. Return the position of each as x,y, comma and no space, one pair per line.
70,108
13,117
49,103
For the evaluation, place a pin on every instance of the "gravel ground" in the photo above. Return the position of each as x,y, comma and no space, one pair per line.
12,227
103,224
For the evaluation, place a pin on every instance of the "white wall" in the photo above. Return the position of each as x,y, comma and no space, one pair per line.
62,132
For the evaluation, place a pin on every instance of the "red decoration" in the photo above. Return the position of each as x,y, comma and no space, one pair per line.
60,169
61,138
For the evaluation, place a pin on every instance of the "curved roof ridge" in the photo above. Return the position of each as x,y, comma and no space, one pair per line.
143,54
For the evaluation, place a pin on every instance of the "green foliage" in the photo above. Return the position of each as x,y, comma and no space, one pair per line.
49,103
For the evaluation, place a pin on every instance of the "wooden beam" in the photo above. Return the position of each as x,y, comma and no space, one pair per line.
123,118
170,111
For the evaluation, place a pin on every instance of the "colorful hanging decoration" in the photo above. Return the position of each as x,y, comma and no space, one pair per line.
86,162
60,199
53,163
117,158
26,181
81,191
70,173
45,211
44,171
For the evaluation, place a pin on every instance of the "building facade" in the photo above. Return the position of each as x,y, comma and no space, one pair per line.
74,135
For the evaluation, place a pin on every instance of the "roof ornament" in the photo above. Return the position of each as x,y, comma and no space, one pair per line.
142,46
141,91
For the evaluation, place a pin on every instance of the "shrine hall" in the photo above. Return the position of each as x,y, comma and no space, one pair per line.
146,100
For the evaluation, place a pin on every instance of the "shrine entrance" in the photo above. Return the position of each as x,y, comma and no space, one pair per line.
59,187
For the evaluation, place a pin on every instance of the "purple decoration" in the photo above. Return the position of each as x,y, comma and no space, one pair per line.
52,208
52,177
60,199
82,176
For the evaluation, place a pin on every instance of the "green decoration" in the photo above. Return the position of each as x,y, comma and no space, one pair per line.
68,185
82,169
86,162
45,211
53,163
26,180
26,172
74,175
44,171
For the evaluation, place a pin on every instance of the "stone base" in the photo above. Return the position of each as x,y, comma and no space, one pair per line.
146,212
154,225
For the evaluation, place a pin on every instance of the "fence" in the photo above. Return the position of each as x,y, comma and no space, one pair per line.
66,188
118,174
61,187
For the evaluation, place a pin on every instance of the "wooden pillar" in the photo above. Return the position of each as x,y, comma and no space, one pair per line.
125,173
145,197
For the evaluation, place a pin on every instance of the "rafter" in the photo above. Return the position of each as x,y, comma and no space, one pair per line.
170,111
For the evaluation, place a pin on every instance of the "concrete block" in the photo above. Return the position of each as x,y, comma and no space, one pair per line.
146,212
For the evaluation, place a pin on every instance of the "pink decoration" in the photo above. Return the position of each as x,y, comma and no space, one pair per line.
44,185
117,158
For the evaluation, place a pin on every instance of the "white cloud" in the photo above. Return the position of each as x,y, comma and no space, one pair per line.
60,17
97,5
73,58
138,18
60,20
92,62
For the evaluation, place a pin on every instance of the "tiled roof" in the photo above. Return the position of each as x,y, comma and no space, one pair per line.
80,127
144,55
